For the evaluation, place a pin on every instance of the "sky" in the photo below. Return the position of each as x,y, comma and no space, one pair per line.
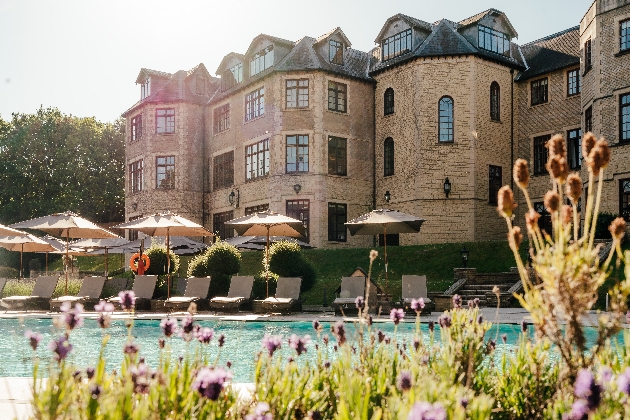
83,56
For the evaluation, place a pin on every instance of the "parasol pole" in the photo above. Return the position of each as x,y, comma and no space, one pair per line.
21,269
385,246
106,256
46,262
67,260
267,259
168,266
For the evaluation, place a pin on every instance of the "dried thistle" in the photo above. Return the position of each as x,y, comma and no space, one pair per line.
531,220
516,235
567,214
599,157
558,168
552,201
588,142
617,228
505,199
574,187
521,173
373,255
556,147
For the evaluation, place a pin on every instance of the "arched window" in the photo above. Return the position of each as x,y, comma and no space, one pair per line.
388,157
495,102
388,101
445,129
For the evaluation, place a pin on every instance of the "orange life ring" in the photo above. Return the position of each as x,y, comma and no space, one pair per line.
133,262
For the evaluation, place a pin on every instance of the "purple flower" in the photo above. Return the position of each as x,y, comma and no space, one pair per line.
317,326
339,332
370,321
61,347
404,381
480,319
228,364
579,411
127,300
427,411
445,321
261,412
205,335
209,382
381,336
299,343
417,305
504,338
476,302
396,315
104,320
464,402
606,375
524,326
188,328
89,372
103,306
161,343
327,364
416,344
586,388
271,343
623,381
95,391
457,301
325,339
72,317
169,326
315,415
359,302
431,326
221,340
130,348
492,345
471,304
140,376
34,338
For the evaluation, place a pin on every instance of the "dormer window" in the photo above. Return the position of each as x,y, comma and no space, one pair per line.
492,40
145,88
335,49
396,45
262,60
232,77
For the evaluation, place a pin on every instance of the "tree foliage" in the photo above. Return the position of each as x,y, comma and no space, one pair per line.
52,162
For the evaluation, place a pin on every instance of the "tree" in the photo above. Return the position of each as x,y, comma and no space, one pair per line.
51,162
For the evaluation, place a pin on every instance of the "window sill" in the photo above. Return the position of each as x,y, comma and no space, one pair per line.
388,176
496,121
388,115
623,52
254,119
540,104
446,143
337,112
293,109
258,178
165,189
337,241
222,188
165,134
296,172
338,175
575,95
220,132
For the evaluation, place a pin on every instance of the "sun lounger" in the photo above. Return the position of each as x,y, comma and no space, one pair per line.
181,285
39,298
351,287
196,291
239,294
414,287
287,296
143,287
88,295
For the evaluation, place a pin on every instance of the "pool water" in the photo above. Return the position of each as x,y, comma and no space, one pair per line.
242,344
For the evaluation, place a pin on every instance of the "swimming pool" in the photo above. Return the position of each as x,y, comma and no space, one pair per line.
243,342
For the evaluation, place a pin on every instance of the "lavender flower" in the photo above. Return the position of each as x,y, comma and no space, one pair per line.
34,338
623,381
524,326
396,315
72,317
205,335
427,411
209,382
127,300
416,344
445,321
221,340
130,348
95,391
464,402
89,372
471,304
271,343
188,328
492,345
103,306
169,326
504,338
606,375
586,388
261,412
339,332
104,320
404,381
161,343
457,301
431,326
370,321
140,376
476,302
317,326
299,343
228,364
327,364
417,305
579,411
480,319
61,347
359,302
314,415
325,339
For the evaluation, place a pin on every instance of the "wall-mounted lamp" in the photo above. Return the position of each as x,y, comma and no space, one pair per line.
388,196
233,198
297,188
134,206
464,254
447,187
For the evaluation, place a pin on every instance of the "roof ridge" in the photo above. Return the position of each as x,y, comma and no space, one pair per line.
552,36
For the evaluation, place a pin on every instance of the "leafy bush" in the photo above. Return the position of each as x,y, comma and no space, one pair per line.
74,285
603,221
220,261
259,290
286,260
8,272
17,287
158,264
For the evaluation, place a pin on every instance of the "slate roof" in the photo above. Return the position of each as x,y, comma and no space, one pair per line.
176,89
329,33
149,72
304,57
413,22
476,18
445,40
553,52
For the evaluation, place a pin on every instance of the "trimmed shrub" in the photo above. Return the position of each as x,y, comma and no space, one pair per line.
8,272
157,255
286,260
603,222
220,261
259,290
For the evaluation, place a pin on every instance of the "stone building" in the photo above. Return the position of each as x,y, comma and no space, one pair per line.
319,131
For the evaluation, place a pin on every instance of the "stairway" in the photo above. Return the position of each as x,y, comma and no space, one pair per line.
482,290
